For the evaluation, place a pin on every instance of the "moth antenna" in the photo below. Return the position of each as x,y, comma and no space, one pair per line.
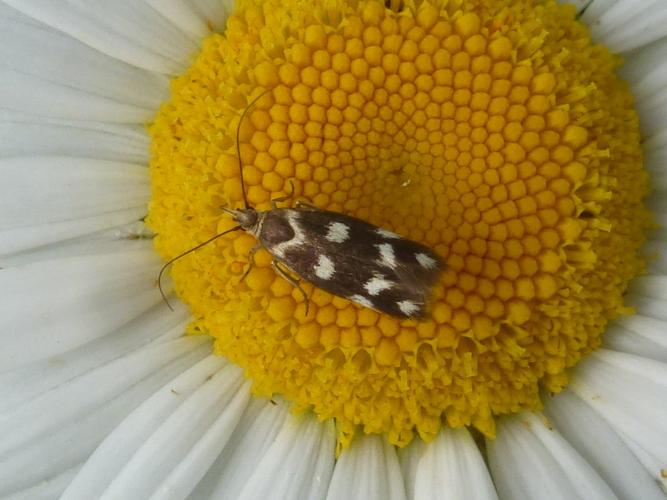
238,142
170,262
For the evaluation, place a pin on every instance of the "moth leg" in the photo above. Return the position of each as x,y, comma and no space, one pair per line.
251,261
301,204
275,201
291,280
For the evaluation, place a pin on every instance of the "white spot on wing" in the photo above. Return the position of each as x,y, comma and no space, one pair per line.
377,284
407,307
338,232
386,234
387,256
426,261
324,269
360,299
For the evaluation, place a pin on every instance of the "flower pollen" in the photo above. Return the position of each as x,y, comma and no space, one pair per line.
492,131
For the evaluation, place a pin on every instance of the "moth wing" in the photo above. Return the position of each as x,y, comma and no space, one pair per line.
416,264
367,264
416,270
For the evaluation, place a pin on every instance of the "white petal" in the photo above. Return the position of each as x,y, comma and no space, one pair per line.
297,465
156,325
656,146
51,189
650,286
54,306
593,9
655,150
46,490
630,392
649,306
61,403
131,31
646,71
658,235
134,235
257,431
192,467
58,429
529,459
648,294
183,15
110,457
36,236
102,141
41,190
638,335
38,65
121,144
654,248
368,469
629,24
602,447
186,424
409,458
657,257
450,467
214,12
31,95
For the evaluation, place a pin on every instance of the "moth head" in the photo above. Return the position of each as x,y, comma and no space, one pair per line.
247,218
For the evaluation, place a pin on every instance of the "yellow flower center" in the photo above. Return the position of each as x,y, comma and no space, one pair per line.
492,131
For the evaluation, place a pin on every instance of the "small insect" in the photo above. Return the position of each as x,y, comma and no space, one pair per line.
338,253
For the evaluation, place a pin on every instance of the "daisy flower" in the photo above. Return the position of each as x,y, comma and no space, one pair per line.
521,140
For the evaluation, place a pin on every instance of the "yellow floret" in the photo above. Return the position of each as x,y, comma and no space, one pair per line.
492,131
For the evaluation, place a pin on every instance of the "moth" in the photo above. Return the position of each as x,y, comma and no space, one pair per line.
340,254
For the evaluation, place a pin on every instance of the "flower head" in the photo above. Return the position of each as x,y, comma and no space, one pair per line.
498,135
101,394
